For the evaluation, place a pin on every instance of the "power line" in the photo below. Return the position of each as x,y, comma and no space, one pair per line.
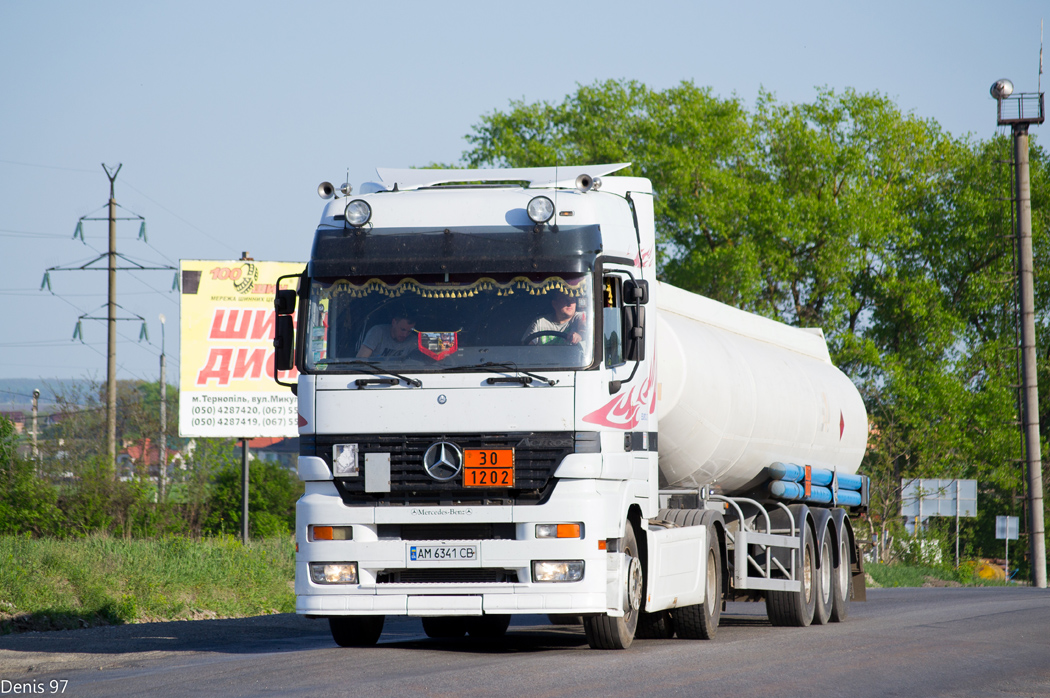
46,167
157,203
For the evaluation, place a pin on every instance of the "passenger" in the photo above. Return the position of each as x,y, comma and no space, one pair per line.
563,325
393,341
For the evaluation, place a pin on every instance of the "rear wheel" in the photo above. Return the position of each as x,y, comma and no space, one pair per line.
700,621
607,632
445,626
356,631
842,580
822,610
491,626
795,608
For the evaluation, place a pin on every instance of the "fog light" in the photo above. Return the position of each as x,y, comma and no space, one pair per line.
357,213
557,570
331,533
333,572
557,530
540,209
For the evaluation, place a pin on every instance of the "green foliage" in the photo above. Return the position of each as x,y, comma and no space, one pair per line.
272,494
843,213
27,503
50,584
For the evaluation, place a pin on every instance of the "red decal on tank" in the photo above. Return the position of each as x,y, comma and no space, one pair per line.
624,411
842,425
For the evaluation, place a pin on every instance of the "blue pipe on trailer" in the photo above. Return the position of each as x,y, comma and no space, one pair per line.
818,476
781,489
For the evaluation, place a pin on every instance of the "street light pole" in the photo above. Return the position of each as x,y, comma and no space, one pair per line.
1019,112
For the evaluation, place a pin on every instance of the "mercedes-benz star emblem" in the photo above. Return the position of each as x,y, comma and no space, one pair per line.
443,460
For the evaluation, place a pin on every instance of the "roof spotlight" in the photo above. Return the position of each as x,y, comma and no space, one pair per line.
540,209
358,212
1001,89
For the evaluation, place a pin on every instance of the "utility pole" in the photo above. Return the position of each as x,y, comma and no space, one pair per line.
1019,112
111,303
36,409
163,450
111,327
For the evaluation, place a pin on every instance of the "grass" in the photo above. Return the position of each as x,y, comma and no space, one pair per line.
49,584
904,575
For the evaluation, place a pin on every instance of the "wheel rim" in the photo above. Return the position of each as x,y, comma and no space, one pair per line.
634,585
807,573
712,582
844,570
825,571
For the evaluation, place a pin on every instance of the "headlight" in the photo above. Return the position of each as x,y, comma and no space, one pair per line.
557,530
333,572
357,213
557,571
541,209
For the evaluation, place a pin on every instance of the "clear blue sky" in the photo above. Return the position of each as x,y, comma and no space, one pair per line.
226,115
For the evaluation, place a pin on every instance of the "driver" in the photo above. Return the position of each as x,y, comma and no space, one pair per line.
390,341
563,324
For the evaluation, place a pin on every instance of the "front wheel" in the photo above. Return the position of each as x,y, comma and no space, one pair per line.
605,632
700,621
356,631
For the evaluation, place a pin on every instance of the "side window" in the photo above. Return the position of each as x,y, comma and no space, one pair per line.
612,321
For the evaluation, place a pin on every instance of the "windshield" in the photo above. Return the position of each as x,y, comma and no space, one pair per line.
443,322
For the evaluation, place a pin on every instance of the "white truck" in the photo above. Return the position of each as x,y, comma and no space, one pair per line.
502,411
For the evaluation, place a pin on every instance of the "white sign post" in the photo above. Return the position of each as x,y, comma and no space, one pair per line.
1006,529
923,498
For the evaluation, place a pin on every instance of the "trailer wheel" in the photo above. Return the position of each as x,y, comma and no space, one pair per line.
655,626
700,621
356,631
795,608
824,591
444,626
605,632
842,581
488,627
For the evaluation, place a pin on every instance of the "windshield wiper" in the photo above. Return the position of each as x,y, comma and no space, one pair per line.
491,365
376,370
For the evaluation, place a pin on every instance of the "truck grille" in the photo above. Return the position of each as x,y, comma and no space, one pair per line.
467,575
536,457
447,531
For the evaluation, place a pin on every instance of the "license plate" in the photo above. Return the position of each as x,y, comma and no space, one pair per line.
488,467
457,555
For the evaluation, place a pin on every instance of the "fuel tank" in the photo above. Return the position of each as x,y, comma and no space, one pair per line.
737,392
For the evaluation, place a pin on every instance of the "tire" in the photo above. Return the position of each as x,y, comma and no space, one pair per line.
795,608
488,627
655,626
700,621
605,632
445,627
356,631
842,580
824,591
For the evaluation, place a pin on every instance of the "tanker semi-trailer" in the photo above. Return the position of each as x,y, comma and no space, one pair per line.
502,411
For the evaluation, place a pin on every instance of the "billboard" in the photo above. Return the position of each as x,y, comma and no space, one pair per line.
226,385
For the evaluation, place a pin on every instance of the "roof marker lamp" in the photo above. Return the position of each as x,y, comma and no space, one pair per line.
540,210
357,213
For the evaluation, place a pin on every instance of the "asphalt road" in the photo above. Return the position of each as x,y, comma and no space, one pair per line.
902,642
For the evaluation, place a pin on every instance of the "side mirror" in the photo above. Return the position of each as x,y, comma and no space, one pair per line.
284,343
634,341
284,301
635,292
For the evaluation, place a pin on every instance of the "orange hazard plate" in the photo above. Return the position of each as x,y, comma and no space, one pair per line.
488,467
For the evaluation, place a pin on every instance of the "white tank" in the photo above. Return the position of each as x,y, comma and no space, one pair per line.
737,392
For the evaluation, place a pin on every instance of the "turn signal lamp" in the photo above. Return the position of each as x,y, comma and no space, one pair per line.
558,530
331,533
